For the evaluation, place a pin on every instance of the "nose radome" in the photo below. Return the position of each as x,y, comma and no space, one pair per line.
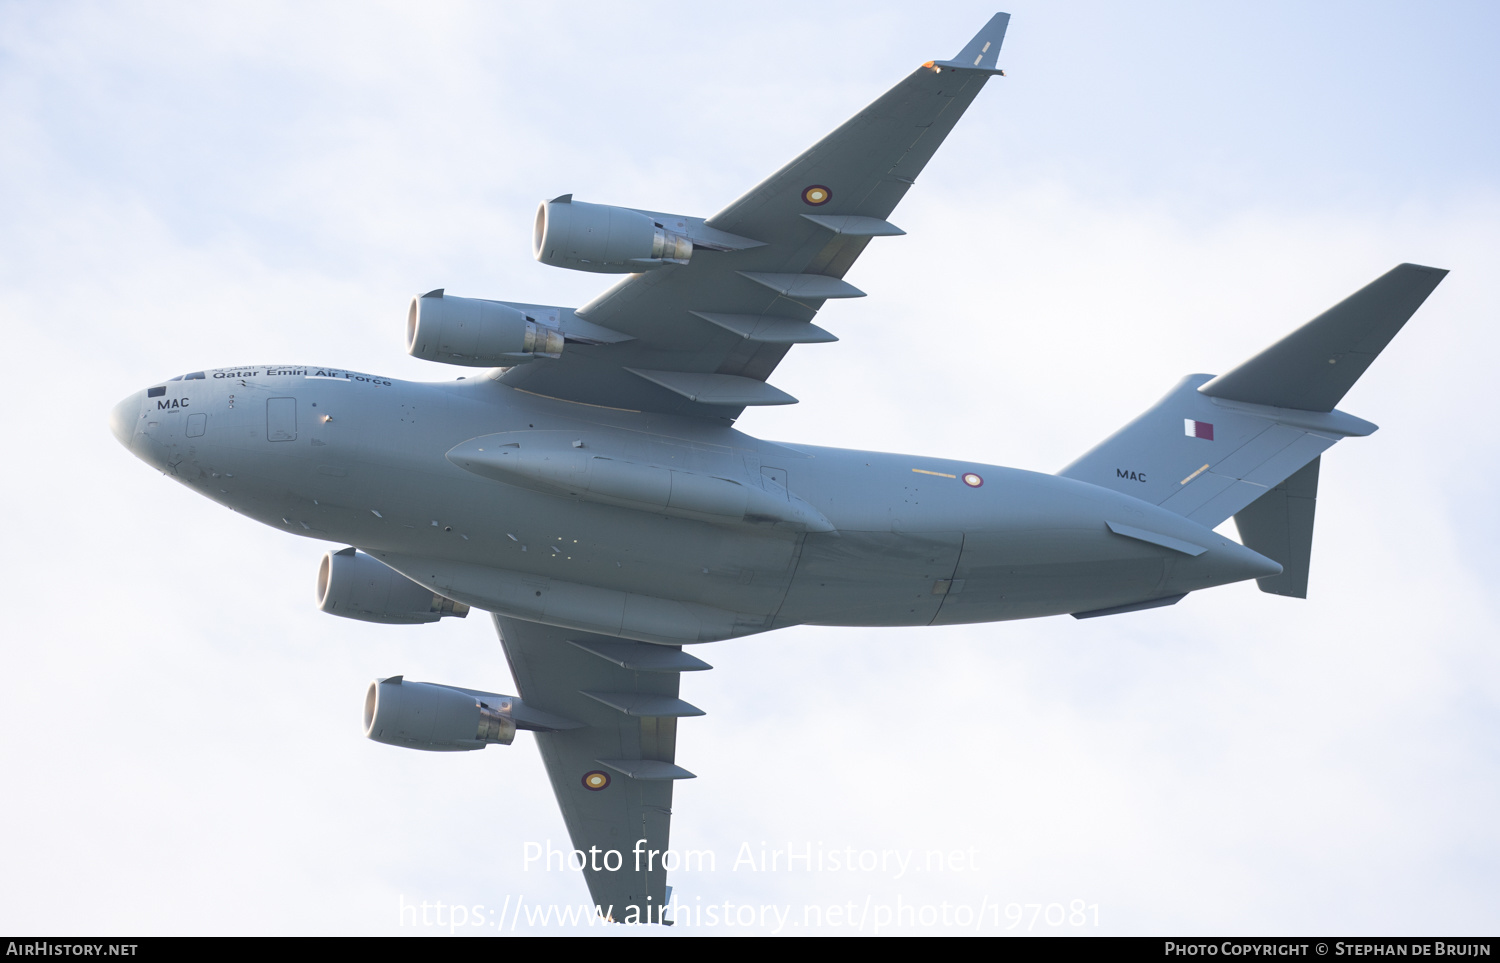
123,418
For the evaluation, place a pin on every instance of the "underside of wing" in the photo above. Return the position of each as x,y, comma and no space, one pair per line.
613,772
702,333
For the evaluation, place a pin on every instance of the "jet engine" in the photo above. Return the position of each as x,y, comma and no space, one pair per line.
356,586
480,334
603,239
437,718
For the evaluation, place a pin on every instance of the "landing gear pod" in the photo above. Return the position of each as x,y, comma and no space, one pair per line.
436,718
476,333
602,239
356,586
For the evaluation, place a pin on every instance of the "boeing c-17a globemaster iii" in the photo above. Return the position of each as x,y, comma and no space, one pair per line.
590,490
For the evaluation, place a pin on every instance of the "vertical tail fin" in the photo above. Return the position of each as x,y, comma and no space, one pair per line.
1207,458
1216,447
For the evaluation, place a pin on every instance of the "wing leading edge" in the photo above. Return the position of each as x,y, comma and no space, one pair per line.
706,335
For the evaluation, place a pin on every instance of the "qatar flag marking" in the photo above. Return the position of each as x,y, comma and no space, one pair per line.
1198,429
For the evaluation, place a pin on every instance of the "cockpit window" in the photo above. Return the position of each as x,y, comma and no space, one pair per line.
195,376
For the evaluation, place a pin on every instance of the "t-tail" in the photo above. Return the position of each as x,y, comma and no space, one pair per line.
1247,444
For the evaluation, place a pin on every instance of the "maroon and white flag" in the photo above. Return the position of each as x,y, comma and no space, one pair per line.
1198,429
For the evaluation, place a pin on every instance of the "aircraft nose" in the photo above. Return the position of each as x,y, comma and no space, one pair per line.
123,418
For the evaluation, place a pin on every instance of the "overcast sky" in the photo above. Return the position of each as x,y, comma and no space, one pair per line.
1154,189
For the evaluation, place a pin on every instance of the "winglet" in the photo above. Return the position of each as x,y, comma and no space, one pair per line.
983,52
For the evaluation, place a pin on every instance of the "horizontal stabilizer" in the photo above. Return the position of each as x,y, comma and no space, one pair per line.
1315,366
1279,525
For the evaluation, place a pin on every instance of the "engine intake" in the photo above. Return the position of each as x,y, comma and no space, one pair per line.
354,585
436,718
476,333
604,240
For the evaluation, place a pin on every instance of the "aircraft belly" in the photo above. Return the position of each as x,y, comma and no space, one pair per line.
573,605
569,562
616,548
871,578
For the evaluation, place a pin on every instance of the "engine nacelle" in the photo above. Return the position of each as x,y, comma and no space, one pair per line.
437,718
603,239
356,586
476,333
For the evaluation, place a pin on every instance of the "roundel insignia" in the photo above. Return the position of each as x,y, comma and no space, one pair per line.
972,480
817,195
595,781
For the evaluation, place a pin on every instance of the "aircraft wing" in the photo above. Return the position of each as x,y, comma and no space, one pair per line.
704,336
613,774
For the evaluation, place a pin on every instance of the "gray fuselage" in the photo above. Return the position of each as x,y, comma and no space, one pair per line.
368,461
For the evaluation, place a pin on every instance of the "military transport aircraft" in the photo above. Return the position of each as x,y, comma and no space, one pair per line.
591,493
